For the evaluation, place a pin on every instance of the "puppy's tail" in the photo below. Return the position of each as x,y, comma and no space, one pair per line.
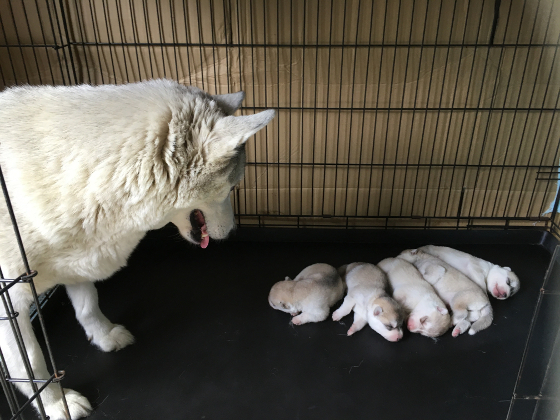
484,321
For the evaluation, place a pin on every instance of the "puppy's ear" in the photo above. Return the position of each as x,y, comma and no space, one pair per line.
507,268
230,102
377,310
231,132
414,251
432,271
287,279
441,310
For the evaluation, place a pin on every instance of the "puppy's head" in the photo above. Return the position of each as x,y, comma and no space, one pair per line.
502,282
385,317
410,255
281,297
430,320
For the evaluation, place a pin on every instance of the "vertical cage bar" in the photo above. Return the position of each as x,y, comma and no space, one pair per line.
351,115
364,109
376,113
335,185
68,41
425,114
327,108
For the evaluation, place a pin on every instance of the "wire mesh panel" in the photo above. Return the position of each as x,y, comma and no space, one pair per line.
10,326
391,114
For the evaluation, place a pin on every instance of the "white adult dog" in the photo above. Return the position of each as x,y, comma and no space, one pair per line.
90,170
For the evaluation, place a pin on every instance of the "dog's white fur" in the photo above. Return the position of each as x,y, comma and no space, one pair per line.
367,296
469,303
90,170
308,297
500,282
426,311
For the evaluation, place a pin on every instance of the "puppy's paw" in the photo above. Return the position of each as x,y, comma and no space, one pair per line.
460,328
336,316
78,405
118,338
298,320
351,331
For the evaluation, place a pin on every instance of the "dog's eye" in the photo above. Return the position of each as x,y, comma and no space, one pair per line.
424,319
389,327
508,281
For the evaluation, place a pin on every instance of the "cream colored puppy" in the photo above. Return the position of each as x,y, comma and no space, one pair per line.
311,294
426,312
501,282
368,298
468,302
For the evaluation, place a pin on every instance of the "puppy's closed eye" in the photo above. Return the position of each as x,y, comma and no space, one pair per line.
423,319
283,305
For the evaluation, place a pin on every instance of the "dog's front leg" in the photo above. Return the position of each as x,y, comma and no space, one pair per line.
51,396
102,332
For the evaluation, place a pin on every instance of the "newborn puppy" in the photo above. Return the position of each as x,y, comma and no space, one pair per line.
426,312
467,301
501,282
311,294
372,305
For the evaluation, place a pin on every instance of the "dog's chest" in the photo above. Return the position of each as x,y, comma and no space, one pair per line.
96,260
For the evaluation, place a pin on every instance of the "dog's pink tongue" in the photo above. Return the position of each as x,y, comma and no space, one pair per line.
205,239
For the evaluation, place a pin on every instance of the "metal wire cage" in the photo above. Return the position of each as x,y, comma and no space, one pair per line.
391,114
416,114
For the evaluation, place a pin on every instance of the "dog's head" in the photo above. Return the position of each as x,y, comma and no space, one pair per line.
385,317
502,283
429,318
212,164
281,296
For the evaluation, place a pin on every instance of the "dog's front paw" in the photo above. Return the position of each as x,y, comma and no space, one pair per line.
118,338
78,405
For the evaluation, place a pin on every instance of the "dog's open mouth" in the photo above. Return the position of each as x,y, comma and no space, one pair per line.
199,232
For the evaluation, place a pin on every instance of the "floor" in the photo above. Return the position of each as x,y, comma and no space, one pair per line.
208,346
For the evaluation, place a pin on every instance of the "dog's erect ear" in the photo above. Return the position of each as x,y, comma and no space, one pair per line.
231,132
230,102
377,311
507,268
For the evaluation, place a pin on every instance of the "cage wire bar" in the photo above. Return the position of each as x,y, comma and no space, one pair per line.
420,114
7,380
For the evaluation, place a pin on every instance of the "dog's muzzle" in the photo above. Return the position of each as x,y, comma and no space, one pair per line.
199,232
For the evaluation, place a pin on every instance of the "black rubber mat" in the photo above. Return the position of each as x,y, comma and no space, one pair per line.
208,346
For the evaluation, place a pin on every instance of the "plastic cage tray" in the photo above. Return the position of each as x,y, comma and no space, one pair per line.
208,345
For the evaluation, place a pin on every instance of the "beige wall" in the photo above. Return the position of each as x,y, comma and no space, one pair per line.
356,120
